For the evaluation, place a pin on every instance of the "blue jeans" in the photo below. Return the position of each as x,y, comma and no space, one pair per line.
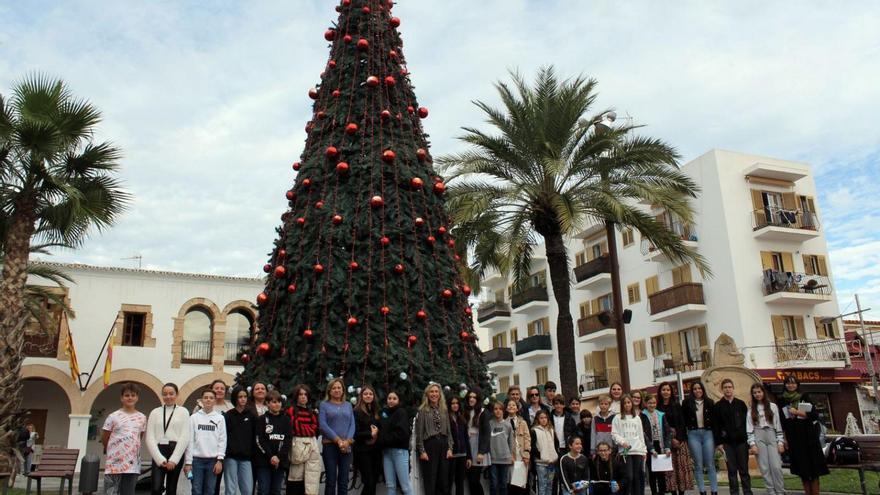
238,476
499,477
395,463
336,468
546,473
204,480
269,480
702,446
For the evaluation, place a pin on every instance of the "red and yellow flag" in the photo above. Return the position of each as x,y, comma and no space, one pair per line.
71,358
108,364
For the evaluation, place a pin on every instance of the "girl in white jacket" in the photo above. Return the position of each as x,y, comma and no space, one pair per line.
167,439
628,433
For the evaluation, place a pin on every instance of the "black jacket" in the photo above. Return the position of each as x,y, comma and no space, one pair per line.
241,433
460,442
572,470
612,470
665,432
273,439
569,428
689,411
674,418
729,422
394,429
524,412
363,432
584,432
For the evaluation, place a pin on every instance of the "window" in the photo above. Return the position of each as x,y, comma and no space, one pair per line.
658,346
133,325
516,379
539,327
580,258
605,302
503,384
197,332
499,340
239,331
787,328
652,285
681,275
584,309
628,237
640,352
632,292
825,330
538,279
514,335
499,296
541,375
596,250
815,265
778,261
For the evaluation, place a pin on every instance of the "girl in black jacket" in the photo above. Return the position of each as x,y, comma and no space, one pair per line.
273,445
606,471
461,451
241,433
366,434
479,434
394,432
681,478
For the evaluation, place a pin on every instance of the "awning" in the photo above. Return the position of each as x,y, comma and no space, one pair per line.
809,388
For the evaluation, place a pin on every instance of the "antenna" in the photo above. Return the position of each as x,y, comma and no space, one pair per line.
138,257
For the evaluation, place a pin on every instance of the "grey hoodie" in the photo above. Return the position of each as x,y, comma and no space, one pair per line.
502,443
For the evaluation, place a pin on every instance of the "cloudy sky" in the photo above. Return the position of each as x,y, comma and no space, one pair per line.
208,99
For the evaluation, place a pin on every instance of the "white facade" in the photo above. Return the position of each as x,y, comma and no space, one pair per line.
740,230
158,320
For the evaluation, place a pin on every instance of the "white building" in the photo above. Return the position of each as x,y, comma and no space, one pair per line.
757,223
166,327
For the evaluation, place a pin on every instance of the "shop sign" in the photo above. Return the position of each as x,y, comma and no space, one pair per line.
811,375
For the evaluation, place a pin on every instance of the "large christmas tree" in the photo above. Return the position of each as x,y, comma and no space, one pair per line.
363,280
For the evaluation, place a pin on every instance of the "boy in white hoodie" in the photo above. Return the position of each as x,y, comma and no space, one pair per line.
207,446
628,432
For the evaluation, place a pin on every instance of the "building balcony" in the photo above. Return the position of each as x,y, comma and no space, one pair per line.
232,350
668,366
493,314
531,300
499,357
40,345
536,346
196,352
595,327
594,274
650,252
593,381
589,230
811,353
796,288
776,172
780,224
677,301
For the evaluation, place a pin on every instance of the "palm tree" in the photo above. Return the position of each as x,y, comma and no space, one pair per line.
56,184
547,173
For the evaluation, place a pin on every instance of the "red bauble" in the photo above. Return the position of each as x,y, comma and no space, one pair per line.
296,165
399,269
423,112
319,204
385,310
431,240
321,115
404,71
439,188
291,288
395,21
377,201
307,182
351,128
342,168
410,109
262,297
447,294
450,243
393,54
372,81
290,195
353,266
300,221
466,290
419,221
422,314
411,340
263,349
330,34
332,151
468,311
421,154
384,241
346,38
385,114
388,156
457,257
319,268
282,253
308,333
267,268
313,94
441,230
337,219
336,93
416,183
352,321
280,271
245,358
365,10
464,335
363,45
331,64
346,3
390,81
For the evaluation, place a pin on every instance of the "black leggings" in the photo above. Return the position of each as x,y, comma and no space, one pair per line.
634,472
457,467
365,463
475,480
435,471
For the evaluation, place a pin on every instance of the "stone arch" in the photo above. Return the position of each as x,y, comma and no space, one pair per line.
241,304
123,375
60,378
218,334
199,381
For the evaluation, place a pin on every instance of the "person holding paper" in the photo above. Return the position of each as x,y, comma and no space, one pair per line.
766,439
660,443
800,422
730,434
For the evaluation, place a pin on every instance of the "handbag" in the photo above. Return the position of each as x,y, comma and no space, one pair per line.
519,474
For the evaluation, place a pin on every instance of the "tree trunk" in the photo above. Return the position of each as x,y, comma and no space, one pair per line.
12,324
557,260
617,306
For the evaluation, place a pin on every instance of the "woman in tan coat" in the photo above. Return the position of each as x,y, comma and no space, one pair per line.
523,441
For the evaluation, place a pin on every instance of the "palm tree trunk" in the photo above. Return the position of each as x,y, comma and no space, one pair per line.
557,260
12,324
617,306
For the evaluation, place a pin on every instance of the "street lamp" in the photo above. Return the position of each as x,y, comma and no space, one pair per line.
869,359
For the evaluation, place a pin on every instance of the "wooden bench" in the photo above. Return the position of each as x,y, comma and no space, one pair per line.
55,463
869,448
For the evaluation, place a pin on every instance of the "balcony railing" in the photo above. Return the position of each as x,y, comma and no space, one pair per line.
533,343
594,323
498,354
682,230
670,364
40,345
809,350
590,269
529,295
491,310
196,351
783,217
232,350
795,282
675,296
593,381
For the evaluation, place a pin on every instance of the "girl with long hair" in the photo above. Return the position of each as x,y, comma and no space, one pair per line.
394,440
523,440
304,476
336,420
478,437
615,391
433,440
241,431
766,438
458,428
802,434
681,478
366,433
544,455
628,433
697,413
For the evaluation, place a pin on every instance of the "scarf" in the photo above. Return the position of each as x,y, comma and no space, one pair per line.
791,398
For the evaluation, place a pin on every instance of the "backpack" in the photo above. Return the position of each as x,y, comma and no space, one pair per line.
844,450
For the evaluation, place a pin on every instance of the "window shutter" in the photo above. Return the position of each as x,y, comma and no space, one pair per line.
513,336
652,285
686,274
595,306
588,363
823,266
767,260
604,247
598,361
787,262
800,333
808,264
611,360
820,328
789,201
584,309
531,328
778,332
546,321
757,200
